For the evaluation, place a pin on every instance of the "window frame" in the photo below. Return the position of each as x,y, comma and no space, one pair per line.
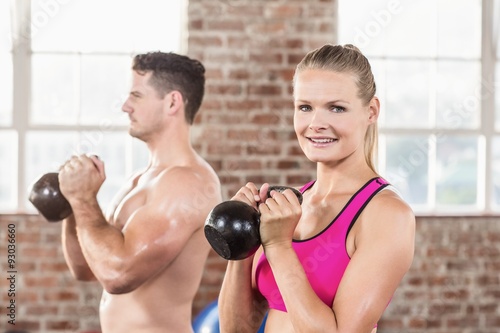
485,133
21,99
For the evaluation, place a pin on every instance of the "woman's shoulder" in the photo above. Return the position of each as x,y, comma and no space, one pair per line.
387,222
390,206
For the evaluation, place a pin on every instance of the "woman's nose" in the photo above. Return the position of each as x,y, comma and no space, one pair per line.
318,121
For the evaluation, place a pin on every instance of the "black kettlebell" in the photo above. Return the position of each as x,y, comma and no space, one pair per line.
232,227
47,198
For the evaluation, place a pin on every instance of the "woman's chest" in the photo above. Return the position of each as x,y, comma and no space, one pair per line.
316,217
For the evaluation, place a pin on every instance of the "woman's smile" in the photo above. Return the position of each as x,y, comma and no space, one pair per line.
321,142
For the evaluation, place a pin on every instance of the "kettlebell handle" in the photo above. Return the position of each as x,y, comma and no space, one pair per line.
281,189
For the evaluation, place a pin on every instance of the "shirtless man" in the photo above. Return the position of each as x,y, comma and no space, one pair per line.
149,251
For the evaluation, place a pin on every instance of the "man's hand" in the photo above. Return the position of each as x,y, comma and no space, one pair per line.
81,177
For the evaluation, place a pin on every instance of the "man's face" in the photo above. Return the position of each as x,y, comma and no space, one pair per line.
144,107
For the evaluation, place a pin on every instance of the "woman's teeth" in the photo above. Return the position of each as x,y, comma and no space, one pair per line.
321,140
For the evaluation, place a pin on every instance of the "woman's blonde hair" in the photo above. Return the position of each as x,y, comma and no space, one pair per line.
347,59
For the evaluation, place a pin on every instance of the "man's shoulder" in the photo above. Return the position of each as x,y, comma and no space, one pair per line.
184,180
187,174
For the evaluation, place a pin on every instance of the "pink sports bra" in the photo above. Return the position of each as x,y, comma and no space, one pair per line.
323,256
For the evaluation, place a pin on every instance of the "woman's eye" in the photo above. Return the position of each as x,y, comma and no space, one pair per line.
337,109
304,108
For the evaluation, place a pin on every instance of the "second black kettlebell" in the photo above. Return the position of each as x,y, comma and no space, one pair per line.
232,227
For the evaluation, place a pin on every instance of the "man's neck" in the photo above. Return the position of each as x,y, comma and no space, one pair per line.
171,148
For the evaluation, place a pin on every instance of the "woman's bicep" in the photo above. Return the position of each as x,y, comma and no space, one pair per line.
383,255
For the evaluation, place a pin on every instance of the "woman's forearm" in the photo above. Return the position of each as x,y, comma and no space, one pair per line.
240,308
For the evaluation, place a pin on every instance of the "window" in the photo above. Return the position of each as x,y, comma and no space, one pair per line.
435,64
67,65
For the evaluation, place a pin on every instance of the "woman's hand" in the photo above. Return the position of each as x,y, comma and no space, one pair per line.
280,215
252,196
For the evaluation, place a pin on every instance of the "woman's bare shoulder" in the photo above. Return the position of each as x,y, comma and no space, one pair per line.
390,200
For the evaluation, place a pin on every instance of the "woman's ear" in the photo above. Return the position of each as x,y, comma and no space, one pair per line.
373,109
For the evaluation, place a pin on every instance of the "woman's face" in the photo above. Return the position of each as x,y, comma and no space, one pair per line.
330,120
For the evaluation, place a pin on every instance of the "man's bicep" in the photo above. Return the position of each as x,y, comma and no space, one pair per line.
151,232
151,242
157,232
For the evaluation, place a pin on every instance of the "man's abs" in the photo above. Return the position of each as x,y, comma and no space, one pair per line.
154,307
164,302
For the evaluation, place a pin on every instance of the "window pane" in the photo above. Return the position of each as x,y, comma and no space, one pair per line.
395,27
496,171
46,152
458,94
407,166
456,171
5,27
361,27
497,94
406,35
407,94
5,89
110,147
389,27
55,89
137,25
140,154
379,72
8,170
105,83
5,64
496,10
426,58
459,18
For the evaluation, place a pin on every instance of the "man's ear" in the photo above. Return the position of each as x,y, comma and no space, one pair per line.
374,110
173,102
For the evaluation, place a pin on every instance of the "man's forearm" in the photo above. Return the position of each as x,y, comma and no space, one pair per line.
72,251
101,243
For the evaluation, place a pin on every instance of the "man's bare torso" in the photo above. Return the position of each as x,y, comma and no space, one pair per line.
164,302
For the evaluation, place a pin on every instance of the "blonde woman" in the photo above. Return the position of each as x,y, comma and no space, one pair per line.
333,263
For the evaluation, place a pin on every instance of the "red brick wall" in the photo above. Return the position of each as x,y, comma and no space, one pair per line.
453,285
250,48
47,298
454,282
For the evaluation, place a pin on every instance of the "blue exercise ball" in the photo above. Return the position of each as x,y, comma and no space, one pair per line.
207,321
